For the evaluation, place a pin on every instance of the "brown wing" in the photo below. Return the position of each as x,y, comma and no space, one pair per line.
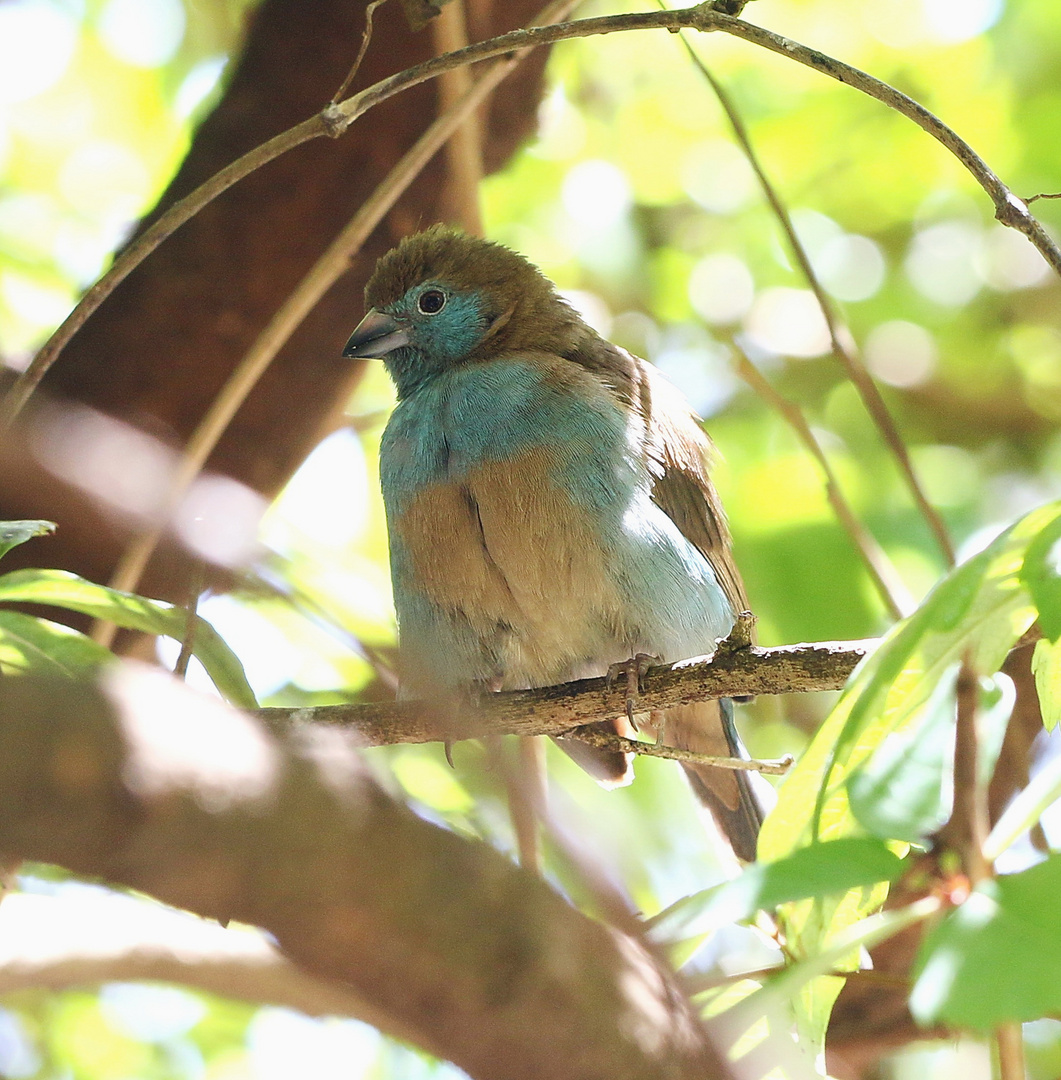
680,453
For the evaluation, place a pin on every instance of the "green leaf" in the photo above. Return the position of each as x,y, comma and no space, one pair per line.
1046,666
66,590
13,533
906,789
997,957
1039,574
29,645
978,610
814,871
808,988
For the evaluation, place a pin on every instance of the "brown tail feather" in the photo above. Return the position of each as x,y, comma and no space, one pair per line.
610,768
707,728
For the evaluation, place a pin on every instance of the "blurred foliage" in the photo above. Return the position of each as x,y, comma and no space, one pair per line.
636,200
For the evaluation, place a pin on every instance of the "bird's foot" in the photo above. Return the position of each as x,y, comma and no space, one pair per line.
632,671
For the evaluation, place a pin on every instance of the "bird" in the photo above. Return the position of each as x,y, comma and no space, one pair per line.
549,507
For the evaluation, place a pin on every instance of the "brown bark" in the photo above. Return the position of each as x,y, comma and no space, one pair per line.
554,710
158,350
151,786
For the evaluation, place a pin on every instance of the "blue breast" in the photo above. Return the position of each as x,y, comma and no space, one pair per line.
490,412
661,595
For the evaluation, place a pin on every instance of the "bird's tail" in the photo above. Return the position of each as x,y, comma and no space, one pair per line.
734,797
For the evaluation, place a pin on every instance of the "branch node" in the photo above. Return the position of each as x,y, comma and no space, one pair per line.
740,637
335,121
1012,211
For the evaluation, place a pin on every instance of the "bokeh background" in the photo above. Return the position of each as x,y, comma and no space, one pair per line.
636,200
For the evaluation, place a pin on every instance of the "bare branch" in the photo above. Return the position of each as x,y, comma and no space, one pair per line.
673,753
882,572
333,120
844,351
331,265
464,154
1009,1039
559,710
366,37
967,828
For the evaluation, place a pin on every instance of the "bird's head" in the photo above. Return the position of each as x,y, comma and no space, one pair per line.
442,298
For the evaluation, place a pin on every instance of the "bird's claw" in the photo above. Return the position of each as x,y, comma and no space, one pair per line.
632,671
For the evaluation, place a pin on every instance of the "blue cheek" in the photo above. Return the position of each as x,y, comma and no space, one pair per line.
451,334
438,342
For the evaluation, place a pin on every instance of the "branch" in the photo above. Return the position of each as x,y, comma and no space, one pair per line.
61,942
333,120
882,572
843,350
560,710
143,782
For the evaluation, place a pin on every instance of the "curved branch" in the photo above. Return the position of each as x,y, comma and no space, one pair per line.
333,120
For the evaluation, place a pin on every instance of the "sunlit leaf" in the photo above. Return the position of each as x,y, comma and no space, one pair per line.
807,988
1040,576
814,871
906,789
978,611
1046,666
66,590
13,533
996,958
905,792
1024,811
29,645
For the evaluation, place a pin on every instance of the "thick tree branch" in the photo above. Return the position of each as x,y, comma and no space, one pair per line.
147,784
558,710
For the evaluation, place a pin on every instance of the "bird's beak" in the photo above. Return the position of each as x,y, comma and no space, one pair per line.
376,335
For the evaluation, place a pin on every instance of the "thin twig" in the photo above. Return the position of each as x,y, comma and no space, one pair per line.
607,741
1043,195
366,37
328,268
464,157
180,668
842,348
1009,1040
507,761
967,828
335,119
889,585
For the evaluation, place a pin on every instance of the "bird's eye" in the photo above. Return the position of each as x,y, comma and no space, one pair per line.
431,301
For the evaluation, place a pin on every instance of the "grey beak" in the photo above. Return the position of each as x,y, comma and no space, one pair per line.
376,335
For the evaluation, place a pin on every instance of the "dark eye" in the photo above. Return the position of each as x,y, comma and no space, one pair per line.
431,301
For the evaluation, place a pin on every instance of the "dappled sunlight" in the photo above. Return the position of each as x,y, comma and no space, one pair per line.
183,741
